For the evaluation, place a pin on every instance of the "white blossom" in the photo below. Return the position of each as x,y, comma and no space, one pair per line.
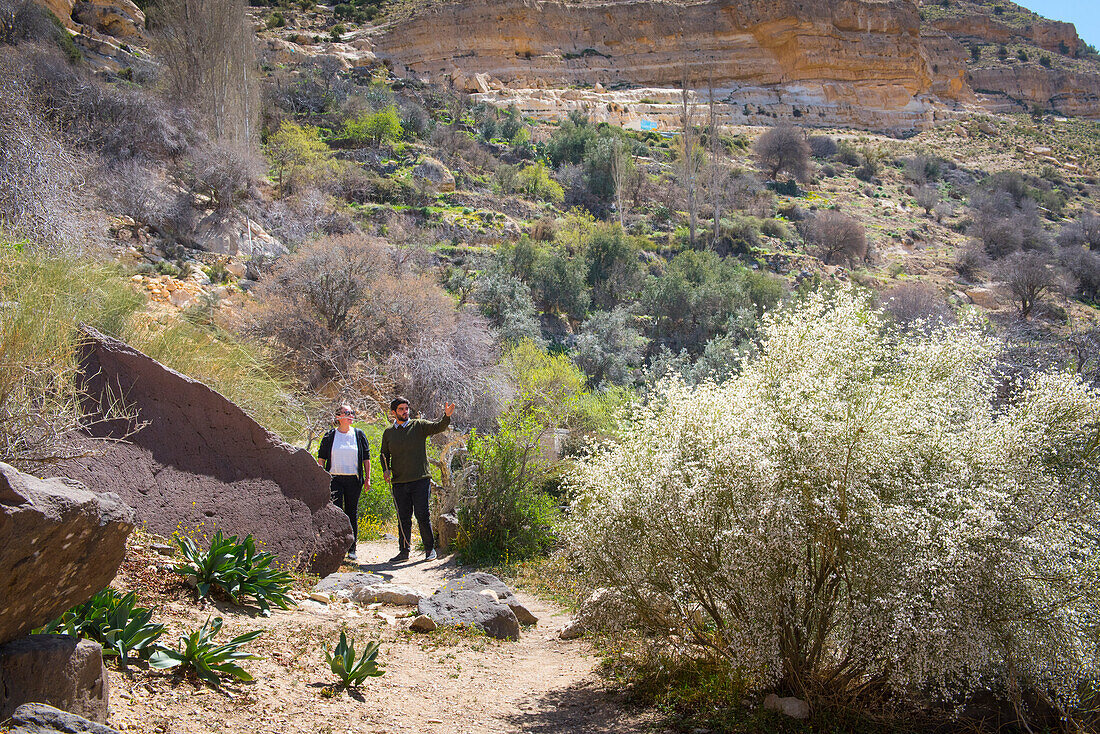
855,510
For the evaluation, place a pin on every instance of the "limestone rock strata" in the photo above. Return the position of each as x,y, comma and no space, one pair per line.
1054,36
853,61
1017,88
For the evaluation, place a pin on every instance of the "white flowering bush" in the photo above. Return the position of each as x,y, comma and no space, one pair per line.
854,513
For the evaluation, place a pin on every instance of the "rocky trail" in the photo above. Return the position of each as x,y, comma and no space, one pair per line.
447,681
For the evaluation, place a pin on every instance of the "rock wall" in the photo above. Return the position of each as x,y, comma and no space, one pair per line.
1017,88
857,62
200,462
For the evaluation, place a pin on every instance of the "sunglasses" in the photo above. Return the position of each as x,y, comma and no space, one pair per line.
346,412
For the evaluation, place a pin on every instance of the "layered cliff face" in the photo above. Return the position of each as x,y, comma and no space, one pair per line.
105,30
858,62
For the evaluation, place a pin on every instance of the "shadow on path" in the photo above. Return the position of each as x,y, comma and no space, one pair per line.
587,707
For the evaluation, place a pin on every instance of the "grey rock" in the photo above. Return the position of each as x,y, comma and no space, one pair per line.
480,581
467,608
604,609
38,718
200,459
58,670
59,545
336,582
401,596
793,707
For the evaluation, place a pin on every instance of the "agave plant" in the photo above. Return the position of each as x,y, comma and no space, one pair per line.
351,671
115,621
198,652
237,569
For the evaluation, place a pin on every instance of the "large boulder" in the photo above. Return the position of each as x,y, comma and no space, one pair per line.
38,718
436,175
59,670
120,19
59,545
201,461
467,608
481,581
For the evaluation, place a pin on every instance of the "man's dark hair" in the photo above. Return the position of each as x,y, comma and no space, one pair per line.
396,402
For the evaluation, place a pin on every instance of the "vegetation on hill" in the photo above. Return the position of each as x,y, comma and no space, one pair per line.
554,279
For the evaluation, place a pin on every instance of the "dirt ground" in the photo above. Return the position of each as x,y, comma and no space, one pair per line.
445,682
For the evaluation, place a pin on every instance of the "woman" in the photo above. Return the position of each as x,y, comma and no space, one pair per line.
345,454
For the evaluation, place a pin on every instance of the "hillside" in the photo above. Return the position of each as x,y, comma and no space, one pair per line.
869,226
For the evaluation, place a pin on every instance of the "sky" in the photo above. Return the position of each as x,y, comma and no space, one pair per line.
1085,14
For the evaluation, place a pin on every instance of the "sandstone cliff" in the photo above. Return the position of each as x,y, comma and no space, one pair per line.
858,62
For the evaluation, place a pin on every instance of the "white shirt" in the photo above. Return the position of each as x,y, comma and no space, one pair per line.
345,453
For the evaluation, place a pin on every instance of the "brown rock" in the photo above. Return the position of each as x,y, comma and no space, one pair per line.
59,545
858,61
58,670
119,19
201,460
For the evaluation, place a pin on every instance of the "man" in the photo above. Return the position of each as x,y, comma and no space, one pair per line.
345,454
404,458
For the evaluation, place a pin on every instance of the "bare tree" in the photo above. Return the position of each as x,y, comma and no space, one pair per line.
716,172
783,148
927,196
912,302
832,235
620,174
689,164
1027,278
208,47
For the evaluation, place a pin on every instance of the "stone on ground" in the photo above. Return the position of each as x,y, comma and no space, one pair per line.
480,581
38,718
604,609
58,670
334,583
467,608
423,623
796,708
393,594
200,460
59,545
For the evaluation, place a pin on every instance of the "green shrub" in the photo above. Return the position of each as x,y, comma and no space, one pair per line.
374,127
113,620
504,515
350,670
235,568
197,653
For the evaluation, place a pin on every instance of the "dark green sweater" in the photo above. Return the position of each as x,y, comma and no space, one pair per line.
404,452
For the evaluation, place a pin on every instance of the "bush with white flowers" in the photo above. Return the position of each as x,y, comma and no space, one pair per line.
855,513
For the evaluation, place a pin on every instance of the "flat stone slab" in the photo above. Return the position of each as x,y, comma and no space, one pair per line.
200,460
347,581
38,718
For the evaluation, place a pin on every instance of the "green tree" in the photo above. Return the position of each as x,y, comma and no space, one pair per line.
298,156
374,127
535,182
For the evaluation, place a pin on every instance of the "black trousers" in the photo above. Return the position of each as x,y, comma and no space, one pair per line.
409,498
345,489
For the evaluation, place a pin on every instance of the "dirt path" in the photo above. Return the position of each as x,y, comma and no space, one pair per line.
444,682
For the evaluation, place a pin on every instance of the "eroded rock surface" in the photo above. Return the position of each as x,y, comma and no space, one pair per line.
59,545
201,461
38,718
466,608
58,670
481,581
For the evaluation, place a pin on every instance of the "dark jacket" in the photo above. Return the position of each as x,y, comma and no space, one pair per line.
403,451
324,451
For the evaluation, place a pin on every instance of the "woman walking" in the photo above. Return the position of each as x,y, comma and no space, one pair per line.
345,454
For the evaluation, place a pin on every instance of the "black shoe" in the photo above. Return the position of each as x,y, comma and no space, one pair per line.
400,557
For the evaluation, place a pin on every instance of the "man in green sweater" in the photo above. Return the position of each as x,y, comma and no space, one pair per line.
404,457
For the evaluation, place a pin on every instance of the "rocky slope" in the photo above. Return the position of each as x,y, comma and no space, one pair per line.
889,65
